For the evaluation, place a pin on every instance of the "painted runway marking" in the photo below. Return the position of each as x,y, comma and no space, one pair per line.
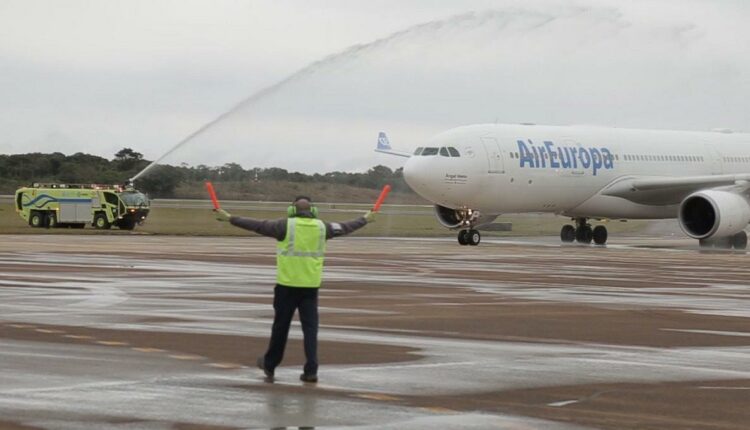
562,403
112,343
147,349
21,326
78,336
377,396
410,366
714,332
725,388
46,330
186,357
225,365
439,410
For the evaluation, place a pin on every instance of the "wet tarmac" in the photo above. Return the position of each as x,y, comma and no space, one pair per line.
162,332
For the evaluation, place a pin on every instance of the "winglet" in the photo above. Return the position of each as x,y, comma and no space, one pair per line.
384,146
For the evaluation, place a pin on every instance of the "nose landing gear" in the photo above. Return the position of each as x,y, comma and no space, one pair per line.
469,237
583,233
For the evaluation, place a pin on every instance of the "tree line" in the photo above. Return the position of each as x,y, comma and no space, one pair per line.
23,169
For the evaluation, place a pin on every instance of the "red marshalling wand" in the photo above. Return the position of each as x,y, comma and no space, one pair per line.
381,198
212,194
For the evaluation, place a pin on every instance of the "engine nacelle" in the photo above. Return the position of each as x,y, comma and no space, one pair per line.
714,213
461,218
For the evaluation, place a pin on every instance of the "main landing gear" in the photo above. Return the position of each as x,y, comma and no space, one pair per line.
583,233
469,237
737,242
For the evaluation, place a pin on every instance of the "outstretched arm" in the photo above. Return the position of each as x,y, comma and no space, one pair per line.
336,229
270,228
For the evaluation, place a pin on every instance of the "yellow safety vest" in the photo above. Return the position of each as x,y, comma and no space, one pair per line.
299,257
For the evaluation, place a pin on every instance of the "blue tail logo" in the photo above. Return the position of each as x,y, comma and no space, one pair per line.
383,142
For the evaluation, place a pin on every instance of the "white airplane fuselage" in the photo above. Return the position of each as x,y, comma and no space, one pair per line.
564,169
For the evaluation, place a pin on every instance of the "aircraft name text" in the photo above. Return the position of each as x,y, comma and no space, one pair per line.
550,155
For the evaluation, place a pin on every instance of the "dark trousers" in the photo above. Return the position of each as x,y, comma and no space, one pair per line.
285,301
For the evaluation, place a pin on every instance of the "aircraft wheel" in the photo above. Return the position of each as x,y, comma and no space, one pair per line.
584,234
474,237
600,235
739,240
723,242
463,237
36,219
100,222
568,233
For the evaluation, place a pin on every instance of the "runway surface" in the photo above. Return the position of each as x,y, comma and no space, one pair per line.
152,332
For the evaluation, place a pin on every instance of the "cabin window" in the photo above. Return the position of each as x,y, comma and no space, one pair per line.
444,152
454,152
418,151
430,151
19,201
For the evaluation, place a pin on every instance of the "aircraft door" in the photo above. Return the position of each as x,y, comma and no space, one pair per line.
495,162
574,169
714,160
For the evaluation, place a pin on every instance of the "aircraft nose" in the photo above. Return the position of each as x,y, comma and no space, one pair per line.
416,175
411,175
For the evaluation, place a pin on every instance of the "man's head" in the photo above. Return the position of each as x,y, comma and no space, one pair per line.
302,204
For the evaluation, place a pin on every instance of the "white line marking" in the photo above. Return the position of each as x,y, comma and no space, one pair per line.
562,403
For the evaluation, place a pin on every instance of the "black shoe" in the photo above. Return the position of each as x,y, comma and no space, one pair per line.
312,378
261,362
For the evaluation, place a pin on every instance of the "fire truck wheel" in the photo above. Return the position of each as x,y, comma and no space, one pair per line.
36,219
100,222
127,225
51,220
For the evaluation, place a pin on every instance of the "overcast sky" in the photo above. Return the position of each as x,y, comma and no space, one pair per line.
97,76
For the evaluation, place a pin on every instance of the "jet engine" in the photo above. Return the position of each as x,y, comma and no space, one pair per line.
714,213
461,217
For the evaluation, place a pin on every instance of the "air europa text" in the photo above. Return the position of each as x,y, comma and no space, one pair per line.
550,155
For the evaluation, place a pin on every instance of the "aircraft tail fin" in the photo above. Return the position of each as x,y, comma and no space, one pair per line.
384,146
383,142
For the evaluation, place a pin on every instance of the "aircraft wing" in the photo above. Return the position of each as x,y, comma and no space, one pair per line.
671,190
384,146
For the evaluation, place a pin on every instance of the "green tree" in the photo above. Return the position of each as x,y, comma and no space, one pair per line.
127,159
161,181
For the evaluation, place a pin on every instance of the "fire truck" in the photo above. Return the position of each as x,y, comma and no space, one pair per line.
75,205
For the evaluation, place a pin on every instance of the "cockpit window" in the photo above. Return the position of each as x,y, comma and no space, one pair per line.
418,151
453,151
444,152
430,151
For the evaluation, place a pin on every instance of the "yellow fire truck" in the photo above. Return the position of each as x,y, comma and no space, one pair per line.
75,205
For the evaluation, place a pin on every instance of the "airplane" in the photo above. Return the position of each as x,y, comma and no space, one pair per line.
475,173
